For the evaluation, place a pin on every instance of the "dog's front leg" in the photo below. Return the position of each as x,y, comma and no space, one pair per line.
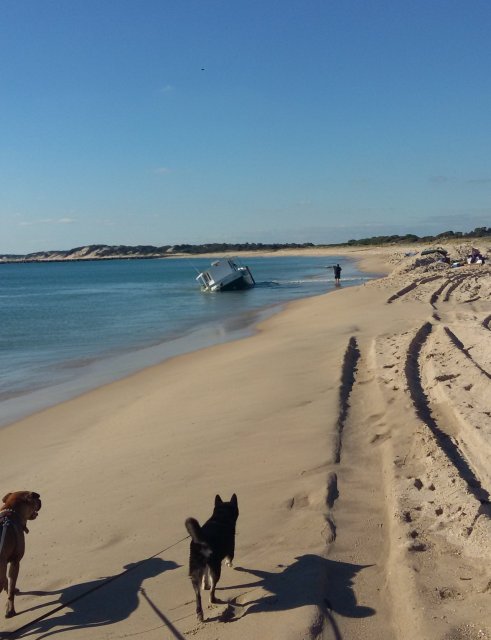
229,558
12,574
3,576
215,572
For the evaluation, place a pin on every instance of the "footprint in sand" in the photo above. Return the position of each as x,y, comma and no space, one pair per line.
375,416
300,501
329,531
232,612
380,437
449,593
447,376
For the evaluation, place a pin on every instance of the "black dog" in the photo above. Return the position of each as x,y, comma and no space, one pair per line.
210,544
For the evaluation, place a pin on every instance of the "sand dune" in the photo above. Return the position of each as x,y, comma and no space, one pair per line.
355,428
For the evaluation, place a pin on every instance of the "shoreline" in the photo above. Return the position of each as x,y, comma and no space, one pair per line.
348,485
101,371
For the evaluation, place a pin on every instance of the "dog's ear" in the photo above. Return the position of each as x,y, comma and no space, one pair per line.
233,499
5,498
218,500
33,495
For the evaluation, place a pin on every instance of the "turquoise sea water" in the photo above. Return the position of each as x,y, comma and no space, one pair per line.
69,326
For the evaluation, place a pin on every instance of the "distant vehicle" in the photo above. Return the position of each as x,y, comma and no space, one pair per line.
226,274
442,252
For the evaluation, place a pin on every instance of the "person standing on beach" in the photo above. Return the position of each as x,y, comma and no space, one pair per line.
337,274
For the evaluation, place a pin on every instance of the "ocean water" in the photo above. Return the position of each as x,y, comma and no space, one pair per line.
70,326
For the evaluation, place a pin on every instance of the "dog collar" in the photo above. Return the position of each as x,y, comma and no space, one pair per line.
10,515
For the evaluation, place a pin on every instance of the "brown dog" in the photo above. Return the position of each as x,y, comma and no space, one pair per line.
18,507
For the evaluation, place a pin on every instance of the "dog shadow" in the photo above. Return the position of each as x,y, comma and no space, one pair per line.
310,580
95,603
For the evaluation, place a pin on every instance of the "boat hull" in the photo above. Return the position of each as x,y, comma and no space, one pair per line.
238,284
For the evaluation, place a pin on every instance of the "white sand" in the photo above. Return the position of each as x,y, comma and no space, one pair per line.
401,417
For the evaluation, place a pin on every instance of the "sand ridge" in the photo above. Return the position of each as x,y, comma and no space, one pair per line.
354,429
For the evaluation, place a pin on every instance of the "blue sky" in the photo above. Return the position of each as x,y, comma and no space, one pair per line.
171,121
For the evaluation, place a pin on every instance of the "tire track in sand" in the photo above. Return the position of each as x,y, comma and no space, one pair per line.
422,405
437,293
348,372
452,283
460,346
411,287
455,283
357,574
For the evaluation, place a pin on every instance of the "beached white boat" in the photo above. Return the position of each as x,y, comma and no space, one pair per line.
226,274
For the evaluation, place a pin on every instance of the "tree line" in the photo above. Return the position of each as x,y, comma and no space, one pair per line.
478,232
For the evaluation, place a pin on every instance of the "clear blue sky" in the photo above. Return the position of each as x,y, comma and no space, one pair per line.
170,121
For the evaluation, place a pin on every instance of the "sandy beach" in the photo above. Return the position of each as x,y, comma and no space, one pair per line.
355,428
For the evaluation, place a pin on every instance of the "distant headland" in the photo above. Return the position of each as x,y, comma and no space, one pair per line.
126,252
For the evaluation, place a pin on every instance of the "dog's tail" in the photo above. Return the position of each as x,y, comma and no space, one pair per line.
196,533
194,530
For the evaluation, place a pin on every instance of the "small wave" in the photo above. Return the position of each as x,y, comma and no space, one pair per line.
303,281
356,279
314,280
